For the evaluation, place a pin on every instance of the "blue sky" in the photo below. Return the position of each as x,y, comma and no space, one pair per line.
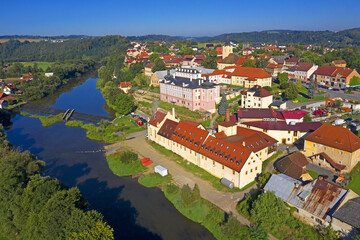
177,18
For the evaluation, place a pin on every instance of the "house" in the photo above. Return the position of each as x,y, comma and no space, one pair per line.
291,62
156,122
293,166
159,75
293,116
49,74
256,97
339,63
193,93
322,75
248,77
282,132
3,104
8,90
341,77
125,86
165,132
315,202
304,70
148,71
219,51
273,69
333,147
247,51
346,217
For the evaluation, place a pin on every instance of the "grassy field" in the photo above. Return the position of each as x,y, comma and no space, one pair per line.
206,123
154,180
184,112
42,65
120,168
354,183
47,121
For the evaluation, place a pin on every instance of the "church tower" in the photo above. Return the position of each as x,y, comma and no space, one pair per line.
227,49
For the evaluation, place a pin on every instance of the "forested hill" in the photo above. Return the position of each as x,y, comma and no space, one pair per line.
350,36
345,37
155,37
99,47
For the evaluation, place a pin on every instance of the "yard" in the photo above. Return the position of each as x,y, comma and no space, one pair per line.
354,183
42,65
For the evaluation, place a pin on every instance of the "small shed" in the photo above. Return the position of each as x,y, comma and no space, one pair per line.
161,170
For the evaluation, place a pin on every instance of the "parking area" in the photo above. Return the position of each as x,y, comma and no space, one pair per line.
331,176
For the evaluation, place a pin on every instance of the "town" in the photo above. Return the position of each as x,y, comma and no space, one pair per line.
147,124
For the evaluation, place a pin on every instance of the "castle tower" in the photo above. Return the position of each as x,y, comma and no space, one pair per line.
227,49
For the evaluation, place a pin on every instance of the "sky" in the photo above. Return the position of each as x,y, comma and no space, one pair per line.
177,18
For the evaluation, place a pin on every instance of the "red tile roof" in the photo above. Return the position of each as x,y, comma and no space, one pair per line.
167,128
228,154
189,135
326,71
292,60
157,118
259,92
220,135
336,137
273,65
344,72
250,73
125,84
294,114
2,95
304,66
231,59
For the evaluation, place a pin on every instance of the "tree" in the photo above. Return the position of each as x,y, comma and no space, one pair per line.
258,233
159,65
186,195
248,63
283,78
338,103
269,211
233,229
354,81
210,59
298,85
223,105
307,118
153,57
291,92
124,104
311,90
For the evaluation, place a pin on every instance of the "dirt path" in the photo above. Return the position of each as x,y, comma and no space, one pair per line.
225,200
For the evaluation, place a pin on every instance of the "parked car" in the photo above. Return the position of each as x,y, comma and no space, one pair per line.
336,89
348,120
330,88
355,123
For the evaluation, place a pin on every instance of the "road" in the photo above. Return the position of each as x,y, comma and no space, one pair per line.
224,200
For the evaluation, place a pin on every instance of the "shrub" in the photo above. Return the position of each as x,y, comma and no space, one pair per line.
128,157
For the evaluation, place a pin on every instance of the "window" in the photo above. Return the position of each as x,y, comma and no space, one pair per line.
339,162
223,167
233,172
250,170
246,172
313,144
214,163
255,168
341,152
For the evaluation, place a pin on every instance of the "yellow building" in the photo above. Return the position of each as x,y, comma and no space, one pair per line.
333,147
248,77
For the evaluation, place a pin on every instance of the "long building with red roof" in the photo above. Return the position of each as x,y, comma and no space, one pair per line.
248,77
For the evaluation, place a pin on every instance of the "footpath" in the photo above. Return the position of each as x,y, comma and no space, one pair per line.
225,200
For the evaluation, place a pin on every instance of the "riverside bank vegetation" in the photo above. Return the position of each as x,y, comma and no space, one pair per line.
34,206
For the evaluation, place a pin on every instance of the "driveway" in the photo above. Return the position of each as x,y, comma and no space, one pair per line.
323,171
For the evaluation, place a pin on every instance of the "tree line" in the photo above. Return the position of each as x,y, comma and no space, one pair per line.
34,206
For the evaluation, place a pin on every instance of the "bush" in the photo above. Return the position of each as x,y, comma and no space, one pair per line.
128,157
267,88
186,195
234,229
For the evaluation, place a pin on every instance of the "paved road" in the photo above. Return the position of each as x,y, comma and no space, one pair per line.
225,200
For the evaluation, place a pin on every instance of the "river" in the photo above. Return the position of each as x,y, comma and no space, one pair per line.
134,212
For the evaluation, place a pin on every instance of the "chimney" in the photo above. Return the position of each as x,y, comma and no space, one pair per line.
243,143
227,115
173,112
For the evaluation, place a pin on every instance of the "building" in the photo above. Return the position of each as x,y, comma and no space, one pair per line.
346,217
315,202
247,51
291,62
194,94
234,162
304,70
282,132
273,69
293,116
293,166
339,63
256,97
3,104
148,69
125,86
323,75
335,77
159,75
258,114
227,49
333,147
248,77
230,60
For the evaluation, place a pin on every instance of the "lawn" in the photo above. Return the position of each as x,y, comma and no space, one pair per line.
206,123
47,121
354,183
42,65
186,113
313,174
267,161
197,171
120,168
154,180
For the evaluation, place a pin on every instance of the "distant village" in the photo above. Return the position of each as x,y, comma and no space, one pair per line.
317,137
